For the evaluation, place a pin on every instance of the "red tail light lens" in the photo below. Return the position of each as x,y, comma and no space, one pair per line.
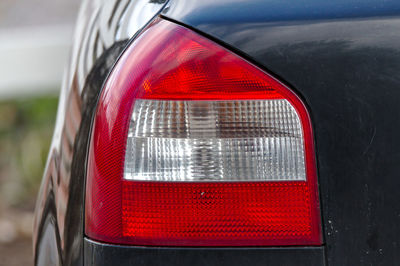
194,146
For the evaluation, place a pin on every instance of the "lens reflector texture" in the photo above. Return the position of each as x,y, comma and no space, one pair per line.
214,141
192,145
202,213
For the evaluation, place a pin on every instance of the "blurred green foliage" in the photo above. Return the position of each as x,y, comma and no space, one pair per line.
26,128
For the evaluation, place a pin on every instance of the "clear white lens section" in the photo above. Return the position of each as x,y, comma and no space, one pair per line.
255,140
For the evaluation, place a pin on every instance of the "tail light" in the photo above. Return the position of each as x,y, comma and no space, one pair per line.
194,146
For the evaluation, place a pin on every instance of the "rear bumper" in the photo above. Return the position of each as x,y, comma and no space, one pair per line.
104,254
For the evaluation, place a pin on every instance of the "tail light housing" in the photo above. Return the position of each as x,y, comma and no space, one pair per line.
194,146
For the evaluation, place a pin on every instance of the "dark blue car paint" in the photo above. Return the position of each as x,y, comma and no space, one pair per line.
341,57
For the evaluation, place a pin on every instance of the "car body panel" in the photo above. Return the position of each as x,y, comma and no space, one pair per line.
103,31
342,58
100,254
